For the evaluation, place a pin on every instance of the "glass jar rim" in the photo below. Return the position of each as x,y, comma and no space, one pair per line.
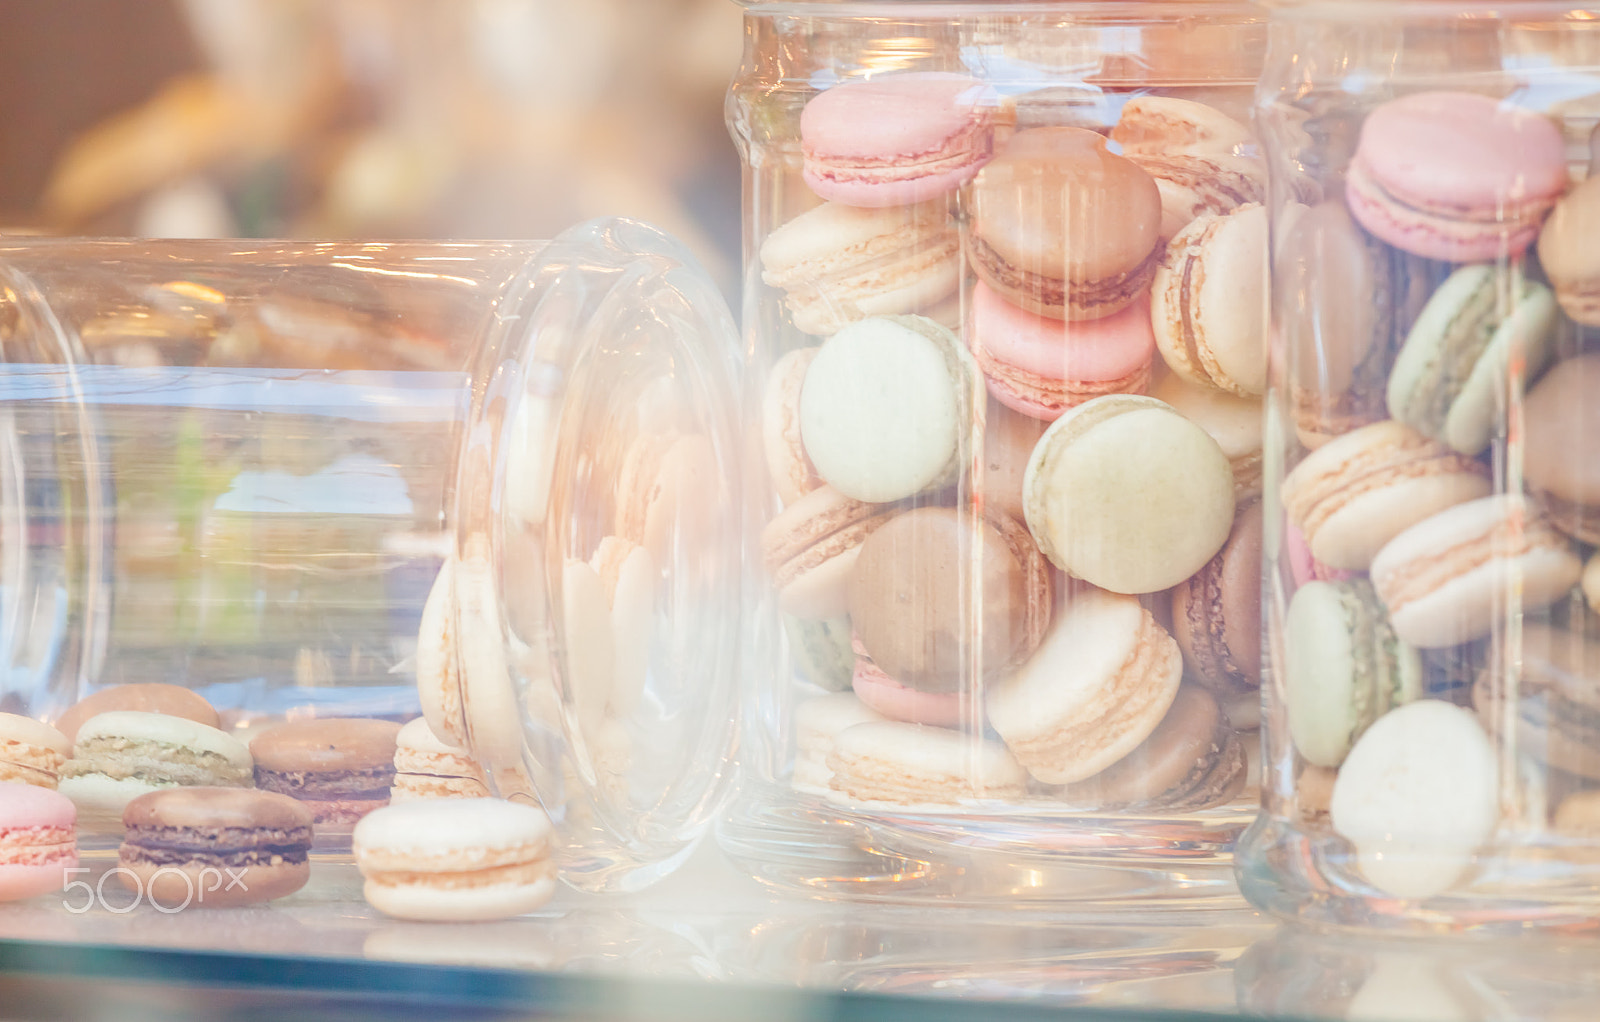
1145,9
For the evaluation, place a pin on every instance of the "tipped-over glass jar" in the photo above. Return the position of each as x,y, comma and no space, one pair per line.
1004,297
1433,505
241,469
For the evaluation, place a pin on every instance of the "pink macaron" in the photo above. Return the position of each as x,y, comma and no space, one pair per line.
1041,367
883,695
1303,567
898,139
1455,175
38,840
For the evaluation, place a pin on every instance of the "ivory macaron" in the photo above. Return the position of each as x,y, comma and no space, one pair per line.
425,767
1208,302
915,766
124,754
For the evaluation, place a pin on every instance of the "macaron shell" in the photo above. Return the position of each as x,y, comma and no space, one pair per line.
1590,581
911,765
1191,737
326,744
1109,348
20,882
1319,673
458,903
893,701
144,697
1207,303
1008,441
1568,254
1165,124
1431,236
1235,423
1526,340
1193,186
1216,613
438,680
1560,407
788,466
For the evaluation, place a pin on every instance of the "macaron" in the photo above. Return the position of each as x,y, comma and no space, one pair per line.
1559,466
1063,227
1166,124
1236,423
124,754
1449,381
1449,578
1097,687
1208,306
205,847
1216,612
1360,490
1557,690
31,752
455,860
837,263
820,650
938,593
1303,567
341,769
816,721
891,700
1008,441
1041,366
1590,582
38,840
1344,668
1125,493
438,674
896,139
788,466
425,767
1417,797
142,697
912,765
1455,176
810,551
1568,254
886,408
1195,177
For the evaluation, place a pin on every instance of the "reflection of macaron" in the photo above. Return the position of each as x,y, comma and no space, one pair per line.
1455,176
895,139
788,466
425,767
912,765
38,840
340,769
1449,380
1192,760
1098,685
1207,306
216,847
31,752
1064,227
143,697
123,754
1216,612
1041,366
1569,255
1343,668
1127,494
1565,475
810,550
1448,578
838,263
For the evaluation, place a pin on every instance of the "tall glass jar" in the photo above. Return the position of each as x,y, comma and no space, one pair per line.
1004,509
1433,467
484,482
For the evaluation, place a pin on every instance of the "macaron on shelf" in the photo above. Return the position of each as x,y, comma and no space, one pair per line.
1006,304
1434,491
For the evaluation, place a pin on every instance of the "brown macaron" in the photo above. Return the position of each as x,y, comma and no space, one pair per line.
1216,613
1561,461
1063,227
341,769
1569,255
215,847
151,697
937,589
1192,760
1008,440
810,550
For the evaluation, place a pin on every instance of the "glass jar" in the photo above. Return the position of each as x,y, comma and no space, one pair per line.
1432,465
1003,512
260,470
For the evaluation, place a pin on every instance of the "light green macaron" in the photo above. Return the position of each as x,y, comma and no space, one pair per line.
1345,667
1449,379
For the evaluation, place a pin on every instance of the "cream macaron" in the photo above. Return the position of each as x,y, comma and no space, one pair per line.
31,752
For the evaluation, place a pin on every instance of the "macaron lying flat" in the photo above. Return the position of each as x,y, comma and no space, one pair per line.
142,697
1216,612
455,859
810,551
31,752
1192,760
1208,309
1569,255
1447,579
912,765
1562,472
38,840
1343,669
215,847
816,721
124,754
341,769
425,767
1449,380
839,263
1357,492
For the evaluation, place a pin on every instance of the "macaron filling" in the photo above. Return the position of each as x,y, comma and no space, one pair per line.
155,763
1384,676
372,783
37,846
236,847
1079,299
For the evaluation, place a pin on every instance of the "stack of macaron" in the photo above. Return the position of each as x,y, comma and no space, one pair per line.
1013,431
1445,490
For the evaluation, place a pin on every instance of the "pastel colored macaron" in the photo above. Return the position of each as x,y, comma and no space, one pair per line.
896,139
1166,124
1208,306
1448,578
938,593
816,721
1235,423
1417,797
1360,490
455,859
31,752
912,765
341,769
810,551
215,847
141,697
1344,668
886,408
1303,567
1591,582
1557,692
1063,227
1449,380
425,767
1041,366
438,673
124,754
1008,441
892,700
837,263
1192,760
1097,687
38,840
788,466
1561,471
1568,253
1203,161
1216,612
1125,493
1455,176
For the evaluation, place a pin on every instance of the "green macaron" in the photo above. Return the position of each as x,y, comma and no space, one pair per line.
1449,379
1344,667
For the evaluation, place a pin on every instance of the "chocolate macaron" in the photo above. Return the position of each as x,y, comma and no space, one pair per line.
341,769
144,697
1216,613
1563,472
1192,760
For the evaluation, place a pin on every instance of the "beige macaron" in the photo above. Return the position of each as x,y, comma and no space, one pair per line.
31,752
425,767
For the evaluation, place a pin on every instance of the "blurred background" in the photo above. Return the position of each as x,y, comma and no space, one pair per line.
369,118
